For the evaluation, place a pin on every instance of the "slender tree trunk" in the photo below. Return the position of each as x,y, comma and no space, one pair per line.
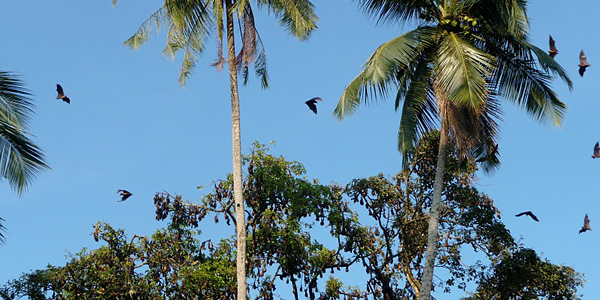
237,159
434,212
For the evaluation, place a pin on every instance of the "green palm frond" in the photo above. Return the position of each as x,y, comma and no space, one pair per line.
297,16
462,69
499,16
188,65
520,82
188,26
515,13
20,159
419,110
15,104
550,65
141,35
260,67
380,71
401,10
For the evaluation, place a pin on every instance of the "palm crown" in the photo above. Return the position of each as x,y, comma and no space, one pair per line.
189,23
462,57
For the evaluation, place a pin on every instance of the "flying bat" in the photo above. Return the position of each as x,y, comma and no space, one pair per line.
586,224
553,51
596,150
124,194
61,94
312,104
528,213
583,63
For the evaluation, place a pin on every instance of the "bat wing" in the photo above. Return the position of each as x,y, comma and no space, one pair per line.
311,105
582,70
597,149
534,217
523,213
59,89
553,45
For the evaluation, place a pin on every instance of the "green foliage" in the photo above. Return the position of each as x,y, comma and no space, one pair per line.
20,159
189,24
462,57
523,275
282,207
376,225
389,241
172,264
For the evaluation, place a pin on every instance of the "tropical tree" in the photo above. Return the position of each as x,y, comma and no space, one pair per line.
20,158
524,275
451,71
189,23
288,218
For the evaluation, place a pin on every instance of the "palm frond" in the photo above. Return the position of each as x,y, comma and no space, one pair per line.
20,159
141,35
297,16
419,111
350,99
520,82
188,23
401,10
550,65
461,71
260,67
508,17
15,102
380,71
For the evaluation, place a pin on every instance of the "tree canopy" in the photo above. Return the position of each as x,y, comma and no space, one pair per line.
303,236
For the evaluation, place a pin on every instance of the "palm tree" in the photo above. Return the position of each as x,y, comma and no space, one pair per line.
189,23
20,159
451,71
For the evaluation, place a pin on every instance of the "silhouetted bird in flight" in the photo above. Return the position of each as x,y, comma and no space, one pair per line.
586,224
61,94
553,51
124,194
528,213
583,63
312,104
596,150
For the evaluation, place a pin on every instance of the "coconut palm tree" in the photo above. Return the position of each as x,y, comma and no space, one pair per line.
189,23
20,159
450,72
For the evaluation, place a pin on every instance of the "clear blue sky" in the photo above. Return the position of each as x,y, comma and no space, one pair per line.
130,125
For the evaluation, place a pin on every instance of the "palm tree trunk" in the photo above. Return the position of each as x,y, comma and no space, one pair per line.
237,159
434,212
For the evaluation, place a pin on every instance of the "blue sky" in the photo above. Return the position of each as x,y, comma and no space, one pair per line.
131,125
